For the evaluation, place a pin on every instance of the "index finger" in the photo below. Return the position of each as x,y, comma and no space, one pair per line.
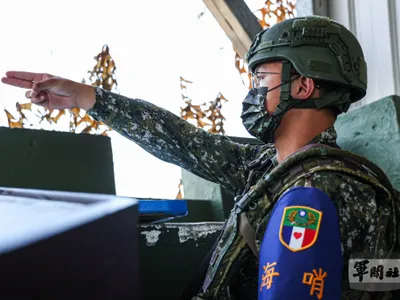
17,82
23,79
27,76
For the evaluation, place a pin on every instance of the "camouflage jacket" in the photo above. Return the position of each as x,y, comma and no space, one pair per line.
363,215
168,137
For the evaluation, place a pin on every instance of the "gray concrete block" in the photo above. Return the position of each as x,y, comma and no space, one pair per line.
197,188
373,132
59,161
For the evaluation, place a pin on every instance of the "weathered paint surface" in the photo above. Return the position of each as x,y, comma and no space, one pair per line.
184,231
151,236
170,253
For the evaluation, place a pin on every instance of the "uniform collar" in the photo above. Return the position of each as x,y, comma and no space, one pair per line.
326,137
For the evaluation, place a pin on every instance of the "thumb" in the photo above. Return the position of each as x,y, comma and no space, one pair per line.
46,84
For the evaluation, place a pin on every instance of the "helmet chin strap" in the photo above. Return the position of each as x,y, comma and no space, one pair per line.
338,98
284,104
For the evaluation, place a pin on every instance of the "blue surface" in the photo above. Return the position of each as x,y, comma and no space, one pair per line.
163,209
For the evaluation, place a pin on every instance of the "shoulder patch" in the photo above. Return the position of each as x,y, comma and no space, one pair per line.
299,227
301,255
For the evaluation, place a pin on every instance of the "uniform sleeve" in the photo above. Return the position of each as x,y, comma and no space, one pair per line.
161,133
300,255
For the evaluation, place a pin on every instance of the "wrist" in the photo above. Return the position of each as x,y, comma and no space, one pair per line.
88,97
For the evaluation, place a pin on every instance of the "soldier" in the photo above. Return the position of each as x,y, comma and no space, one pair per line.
302,205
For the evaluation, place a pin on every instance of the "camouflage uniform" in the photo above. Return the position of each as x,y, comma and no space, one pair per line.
363,216
213,157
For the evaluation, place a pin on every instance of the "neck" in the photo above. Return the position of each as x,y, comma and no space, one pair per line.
308,124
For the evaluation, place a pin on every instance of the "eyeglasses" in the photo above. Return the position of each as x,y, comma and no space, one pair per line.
256,80
256,77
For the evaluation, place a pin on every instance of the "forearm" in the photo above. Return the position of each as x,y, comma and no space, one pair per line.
171,139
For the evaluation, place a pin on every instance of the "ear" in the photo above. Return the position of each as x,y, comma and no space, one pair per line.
303,88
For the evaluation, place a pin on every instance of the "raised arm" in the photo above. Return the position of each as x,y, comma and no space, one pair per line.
171,139
156,130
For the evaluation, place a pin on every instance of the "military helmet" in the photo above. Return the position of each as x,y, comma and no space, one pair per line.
318,48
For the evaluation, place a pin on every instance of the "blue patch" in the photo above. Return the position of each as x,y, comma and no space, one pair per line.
301,256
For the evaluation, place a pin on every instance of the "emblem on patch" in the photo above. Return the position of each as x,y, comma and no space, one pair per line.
299,227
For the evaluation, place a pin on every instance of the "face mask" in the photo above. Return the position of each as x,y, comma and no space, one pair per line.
254,116
257,121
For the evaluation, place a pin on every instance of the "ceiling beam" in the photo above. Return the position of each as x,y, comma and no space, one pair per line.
237,21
